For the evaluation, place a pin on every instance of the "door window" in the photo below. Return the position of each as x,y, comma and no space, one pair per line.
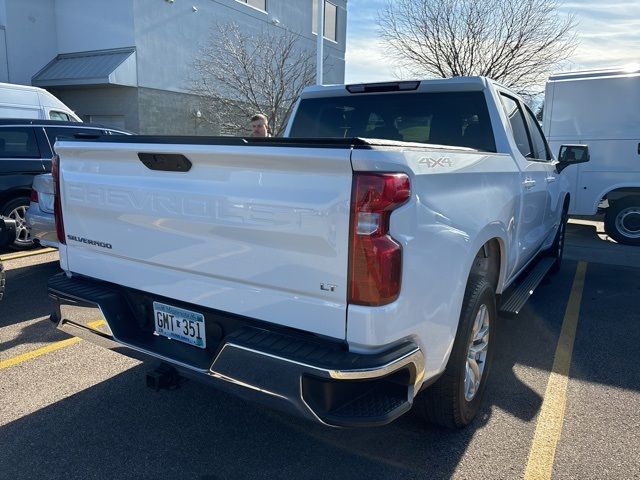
18,142
518,125
540,148
56,115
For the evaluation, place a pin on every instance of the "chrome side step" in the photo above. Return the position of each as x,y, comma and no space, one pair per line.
512,305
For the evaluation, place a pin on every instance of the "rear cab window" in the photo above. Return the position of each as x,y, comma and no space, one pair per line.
446,118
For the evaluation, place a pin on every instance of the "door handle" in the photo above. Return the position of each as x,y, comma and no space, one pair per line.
529,183
551,179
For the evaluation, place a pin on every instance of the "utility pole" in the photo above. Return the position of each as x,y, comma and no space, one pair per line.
320,32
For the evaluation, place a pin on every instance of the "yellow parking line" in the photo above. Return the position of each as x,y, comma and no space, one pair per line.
10,362
31,253
96,324
37,353
550,420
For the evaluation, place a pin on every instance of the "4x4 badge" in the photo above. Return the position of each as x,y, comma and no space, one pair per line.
436,162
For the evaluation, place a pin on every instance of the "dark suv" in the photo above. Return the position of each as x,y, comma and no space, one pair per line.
26,149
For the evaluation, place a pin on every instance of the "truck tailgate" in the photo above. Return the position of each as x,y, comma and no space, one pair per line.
260,231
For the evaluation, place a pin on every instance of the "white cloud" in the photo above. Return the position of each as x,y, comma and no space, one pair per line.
609,33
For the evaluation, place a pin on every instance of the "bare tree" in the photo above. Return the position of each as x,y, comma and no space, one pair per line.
516,42
241,74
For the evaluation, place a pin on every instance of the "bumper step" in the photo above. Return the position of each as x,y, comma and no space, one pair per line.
377,404
306,351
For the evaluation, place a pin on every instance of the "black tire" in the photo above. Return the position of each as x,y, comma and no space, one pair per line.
556,250
15,210
445,402
622,220
2,280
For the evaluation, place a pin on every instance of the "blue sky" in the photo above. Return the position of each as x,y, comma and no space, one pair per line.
608,32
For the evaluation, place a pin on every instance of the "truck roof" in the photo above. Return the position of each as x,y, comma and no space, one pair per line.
430,85
621,71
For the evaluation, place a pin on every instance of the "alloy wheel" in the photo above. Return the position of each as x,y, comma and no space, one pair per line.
23,235
477,353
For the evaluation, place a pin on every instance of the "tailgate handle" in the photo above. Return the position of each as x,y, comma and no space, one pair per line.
165,162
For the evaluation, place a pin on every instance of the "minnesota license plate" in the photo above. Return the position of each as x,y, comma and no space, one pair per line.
179,324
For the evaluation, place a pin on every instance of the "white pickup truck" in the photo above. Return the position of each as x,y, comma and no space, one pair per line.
345,273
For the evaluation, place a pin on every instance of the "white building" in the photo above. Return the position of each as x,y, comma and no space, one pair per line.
129,63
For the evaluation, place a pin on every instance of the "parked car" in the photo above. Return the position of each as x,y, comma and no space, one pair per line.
25,101
600,108
39,218
338,277
26,149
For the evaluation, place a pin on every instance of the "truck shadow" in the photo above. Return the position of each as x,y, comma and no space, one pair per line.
585,233
120,429
587,240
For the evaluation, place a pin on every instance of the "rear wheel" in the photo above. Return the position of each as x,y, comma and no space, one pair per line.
622,221
16,209
1,281
454,400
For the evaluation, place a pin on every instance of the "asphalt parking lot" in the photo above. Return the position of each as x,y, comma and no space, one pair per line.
563,399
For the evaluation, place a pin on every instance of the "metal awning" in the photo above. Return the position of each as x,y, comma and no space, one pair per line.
96,67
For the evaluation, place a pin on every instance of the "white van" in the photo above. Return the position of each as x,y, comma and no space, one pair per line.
600,108
22,101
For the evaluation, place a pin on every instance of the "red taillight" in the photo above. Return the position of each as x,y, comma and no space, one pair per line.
375,267
57,206
34,196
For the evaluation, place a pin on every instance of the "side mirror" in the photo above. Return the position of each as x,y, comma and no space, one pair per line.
7,231
572,154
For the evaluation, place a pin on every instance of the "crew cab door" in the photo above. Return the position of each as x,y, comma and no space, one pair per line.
531,226
542,154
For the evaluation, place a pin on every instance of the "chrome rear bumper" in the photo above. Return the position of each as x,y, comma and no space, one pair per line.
290,372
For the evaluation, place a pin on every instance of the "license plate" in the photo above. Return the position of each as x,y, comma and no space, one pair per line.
179,324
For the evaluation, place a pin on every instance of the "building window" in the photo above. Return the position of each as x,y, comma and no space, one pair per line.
330,20
259,4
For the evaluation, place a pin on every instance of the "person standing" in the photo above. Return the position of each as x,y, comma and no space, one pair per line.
260,126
